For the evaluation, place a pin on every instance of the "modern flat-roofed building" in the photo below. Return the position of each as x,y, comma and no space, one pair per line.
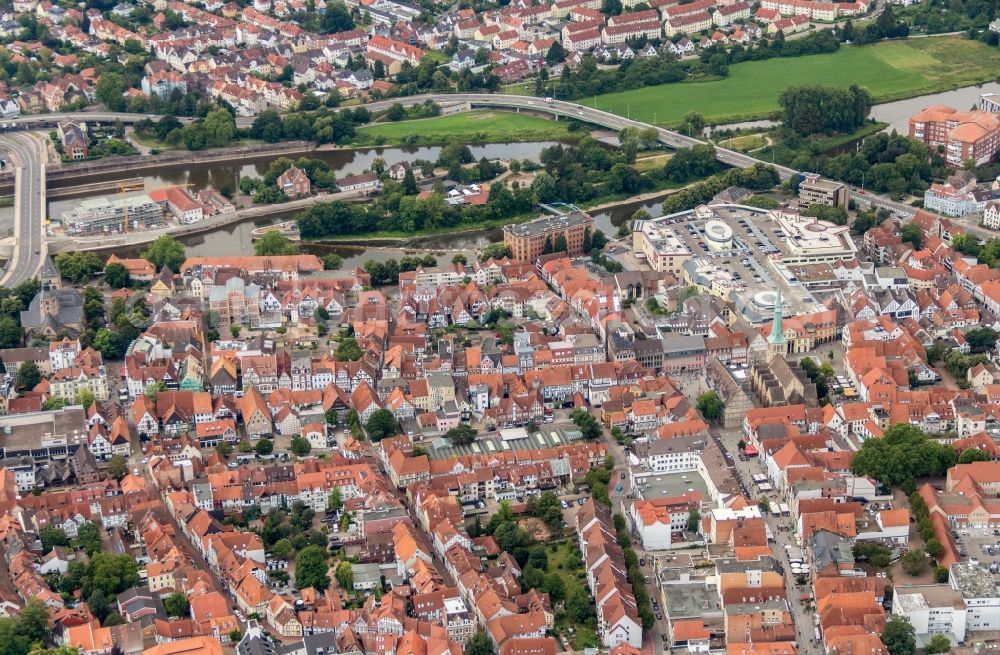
683,353
814,190
808,240
659,244
526,241
932,609
43,435
990,101
980,593
101,215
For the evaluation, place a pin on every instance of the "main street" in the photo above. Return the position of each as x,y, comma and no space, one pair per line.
28,154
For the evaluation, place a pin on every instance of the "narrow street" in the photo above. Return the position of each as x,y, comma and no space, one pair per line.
783,529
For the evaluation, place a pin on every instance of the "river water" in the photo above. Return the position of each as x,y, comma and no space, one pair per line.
235,239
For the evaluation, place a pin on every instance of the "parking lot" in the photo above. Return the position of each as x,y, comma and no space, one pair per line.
750,242
981,544
749,262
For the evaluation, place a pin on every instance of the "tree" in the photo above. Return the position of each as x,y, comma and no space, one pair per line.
898,636
109,91
235,329
809,110
332,262
267,126
694,520
381,424
345,576
89,538
11,333
348,350
934,548
480,644
28,375
176,604
78,267
914,562
904,452
494,251
51,536
53,403
588,425
461,434
311,568
410,187
274,243
300,446
85,398
912,234
710,405
264,447
941,574
939,643
117,467
154,389
33,622
220,127
694,123
970,455
224,449
877,555
335,501
117,276
981,339
282,549
165,251
337,18
560,244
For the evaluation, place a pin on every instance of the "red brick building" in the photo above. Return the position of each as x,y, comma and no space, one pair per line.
295,183
527,240
964,134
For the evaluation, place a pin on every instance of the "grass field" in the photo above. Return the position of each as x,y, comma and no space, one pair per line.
744,143
470,127
565,561
650,162
890,70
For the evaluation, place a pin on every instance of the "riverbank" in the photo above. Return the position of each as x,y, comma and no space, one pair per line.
479,126
401,240
210,224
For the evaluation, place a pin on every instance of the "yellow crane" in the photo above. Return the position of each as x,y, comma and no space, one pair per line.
135,187
128,188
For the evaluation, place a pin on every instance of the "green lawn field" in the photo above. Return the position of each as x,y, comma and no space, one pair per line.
890,70
484,126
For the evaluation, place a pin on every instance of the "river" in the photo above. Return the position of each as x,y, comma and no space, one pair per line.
235,240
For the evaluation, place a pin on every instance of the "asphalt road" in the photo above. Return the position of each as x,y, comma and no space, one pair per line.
28,154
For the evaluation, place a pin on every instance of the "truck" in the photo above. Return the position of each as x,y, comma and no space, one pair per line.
549,100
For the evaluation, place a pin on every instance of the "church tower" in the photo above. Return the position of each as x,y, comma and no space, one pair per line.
777,344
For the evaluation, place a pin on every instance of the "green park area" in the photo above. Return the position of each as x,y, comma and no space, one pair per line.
483,126
890,70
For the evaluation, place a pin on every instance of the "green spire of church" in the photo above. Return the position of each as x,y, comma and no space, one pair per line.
777,336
